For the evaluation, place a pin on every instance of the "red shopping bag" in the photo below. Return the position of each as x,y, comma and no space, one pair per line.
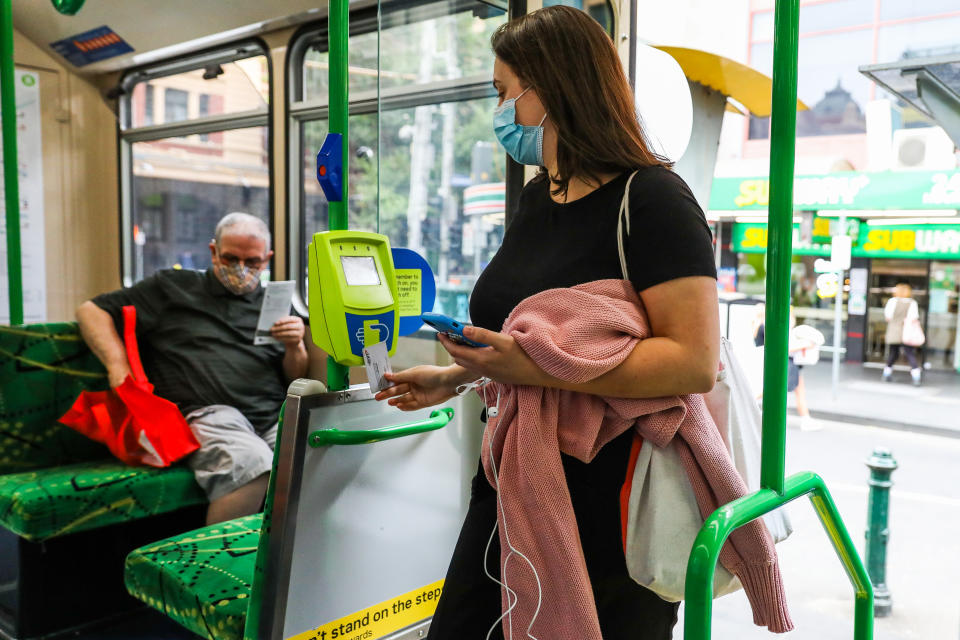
137,426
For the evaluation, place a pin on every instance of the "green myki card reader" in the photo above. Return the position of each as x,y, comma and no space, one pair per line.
352,294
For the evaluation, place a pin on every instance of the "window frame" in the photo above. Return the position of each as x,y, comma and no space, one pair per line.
127,135
298,112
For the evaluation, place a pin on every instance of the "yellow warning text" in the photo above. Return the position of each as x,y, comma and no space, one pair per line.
381,619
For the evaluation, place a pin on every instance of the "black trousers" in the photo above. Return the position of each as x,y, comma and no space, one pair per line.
909,352
470,603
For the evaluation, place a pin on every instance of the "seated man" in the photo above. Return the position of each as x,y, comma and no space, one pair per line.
195,333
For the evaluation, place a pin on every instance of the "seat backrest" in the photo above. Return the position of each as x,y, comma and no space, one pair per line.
43,368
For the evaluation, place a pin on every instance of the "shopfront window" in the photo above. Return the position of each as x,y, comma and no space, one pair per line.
943,319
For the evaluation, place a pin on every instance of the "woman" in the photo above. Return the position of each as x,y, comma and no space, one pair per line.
800,339
566,107
899,310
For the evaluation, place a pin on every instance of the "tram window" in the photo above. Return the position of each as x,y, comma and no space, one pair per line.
182,186
441,174
453,218
599,10
234,87
457,43
828,82
897,9
199,154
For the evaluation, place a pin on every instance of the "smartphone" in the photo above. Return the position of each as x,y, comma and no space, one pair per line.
449,327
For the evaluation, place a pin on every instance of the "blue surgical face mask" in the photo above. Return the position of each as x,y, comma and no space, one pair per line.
524,143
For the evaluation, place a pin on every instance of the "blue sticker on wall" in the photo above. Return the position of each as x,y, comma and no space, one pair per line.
91,46
416,288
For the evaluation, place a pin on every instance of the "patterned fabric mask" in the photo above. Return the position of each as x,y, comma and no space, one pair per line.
238,279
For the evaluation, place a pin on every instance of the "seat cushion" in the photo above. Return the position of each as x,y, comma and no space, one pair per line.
202,579
53,502
43,368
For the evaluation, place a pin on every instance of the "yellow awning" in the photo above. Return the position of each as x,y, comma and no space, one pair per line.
744,84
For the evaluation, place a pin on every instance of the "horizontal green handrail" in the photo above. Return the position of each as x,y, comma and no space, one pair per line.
326,437
698,594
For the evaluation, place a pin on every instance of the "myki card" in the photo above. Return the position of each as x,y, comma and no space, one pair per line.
377,362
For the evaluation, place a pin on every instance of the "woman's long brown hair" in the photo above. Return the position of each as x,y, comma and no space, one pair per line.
572,64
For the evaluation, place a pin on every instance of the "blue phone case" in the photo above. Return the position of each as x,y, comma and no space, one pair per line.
450,328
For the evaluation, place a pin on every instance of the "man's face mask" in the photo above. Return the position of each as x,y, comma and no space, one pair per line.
237,277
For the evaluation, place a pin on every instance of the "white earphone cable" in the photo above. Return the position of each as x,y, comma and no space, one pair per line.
512,597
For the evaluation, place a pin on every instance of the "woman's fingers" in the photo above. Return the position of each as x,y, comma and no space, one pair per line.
485,336
396,390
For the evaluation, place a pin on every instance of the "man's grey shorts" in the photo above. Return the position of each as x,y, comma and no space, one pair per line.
232,453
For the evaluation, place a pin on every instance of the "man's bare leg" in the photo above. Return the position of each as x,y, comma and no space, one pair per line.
242,502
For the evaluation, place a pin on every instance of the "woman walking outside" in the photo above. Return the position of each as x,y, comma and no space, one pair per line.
904,332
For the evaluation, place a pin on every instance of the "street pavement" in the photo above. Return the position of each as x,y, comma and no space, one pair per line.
924,548
933,407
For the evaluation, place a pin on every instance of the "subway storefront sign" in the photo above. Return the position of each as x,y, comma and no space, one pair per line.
847,190
941,241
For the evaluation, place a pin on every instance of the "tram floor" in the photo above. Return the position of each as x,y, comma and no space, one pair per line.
144,624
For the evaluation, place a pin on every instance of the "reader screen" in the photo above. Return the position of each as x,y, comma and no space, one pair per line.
360,270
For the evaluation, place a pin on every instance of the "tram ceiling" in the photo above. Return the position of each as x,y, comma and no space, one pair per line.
931,85
180,27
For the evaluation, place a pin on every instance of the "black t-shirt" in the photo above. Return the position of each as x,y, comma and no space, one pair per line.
550,245
196,343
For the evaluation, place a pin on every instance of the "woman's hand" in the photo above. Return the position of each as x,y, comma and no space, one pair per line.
419,387
503,361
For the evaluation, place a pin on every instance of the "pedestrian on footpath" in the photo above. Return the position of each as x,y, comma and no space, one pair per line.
903,331
800,341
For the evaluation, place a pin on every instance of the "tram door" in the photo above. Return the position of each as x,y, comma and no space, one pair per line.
884,276
943,318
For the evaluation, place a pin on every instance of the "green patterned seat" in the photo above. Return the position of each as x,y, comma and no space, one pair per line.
54,481
201,579
43,368
46,503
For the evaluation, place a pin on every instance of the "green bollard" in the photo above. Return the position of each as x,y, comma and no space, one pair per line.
882,465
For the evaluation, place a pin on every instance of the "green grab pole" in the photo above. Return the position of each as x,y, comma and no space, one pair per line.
783,129
338,28
332,436
11,173
698,592
67,7
251,625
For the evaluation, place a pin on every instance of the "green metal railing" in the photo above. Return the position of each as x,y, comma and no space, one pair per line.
326,437
338,375
776,490
11,173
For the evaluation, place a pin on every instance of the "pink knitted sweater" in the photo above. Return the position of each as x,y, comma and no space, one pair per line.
576,335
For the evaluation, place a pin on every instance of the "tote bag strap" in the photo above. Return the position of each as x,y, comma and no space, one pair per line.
130,342
624,222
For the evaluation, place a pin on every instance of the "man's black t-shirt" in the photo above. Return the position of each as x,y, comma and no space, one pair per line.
550,245
196,343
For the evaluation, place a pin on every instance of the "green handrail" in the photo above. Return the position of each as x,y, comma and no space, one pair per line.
783,131
67,7
326,437
776,490
11,173
338,29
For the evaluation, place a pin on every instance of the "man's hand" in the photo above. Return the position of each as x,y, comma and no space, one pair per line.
288,330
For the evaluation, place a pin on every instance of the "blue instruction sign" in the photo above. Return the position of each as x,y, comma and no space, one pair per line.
91,46
416,288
